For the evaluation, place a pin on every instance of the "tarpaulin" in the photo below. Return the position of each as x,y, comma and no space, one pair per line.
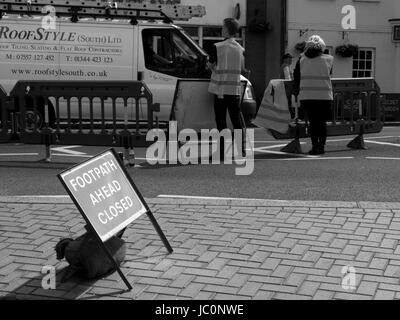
274,109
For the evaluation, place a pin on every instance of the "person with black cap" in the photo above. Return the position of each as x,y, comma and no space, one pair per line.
312,77
286,73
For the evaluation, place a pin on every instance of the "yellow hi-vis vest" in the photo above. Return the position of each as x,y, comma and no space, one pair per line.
315,80
225,78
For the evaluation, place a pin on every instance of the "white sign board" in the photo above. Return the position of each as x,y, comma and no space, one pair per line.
104,194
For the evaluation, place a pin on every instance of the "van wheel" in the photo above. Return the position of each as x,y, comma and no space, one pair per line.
32,116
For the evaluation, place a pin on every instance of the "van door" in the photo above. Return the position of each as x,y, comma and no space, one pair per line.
166,55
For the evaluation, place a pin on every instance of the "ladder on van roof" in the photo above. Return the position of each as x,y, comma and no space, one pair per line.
122,9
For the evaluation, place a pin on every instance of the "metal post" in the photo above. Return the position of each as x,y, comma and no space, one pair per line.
48,150
116,266
296,109
148,211
131,159
126,142
121,156
13,124
159,231
47,132
358,143
46,113
126,152
244,136
294,147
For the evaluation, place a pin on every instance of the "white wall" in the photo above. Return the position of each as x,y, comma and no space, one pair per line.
217,11
324,17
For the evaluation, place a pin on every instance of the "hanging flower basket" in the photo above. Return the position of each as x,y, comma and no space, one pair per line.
300,46
346,50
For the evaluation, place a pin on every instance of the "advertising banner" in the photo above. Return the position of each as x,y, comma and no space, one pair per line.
71,51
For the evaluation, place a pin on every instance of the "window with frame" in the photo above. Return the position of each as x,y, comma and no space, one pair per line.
363,63
396,33
171,53
193,32
329,50
207,36
212,35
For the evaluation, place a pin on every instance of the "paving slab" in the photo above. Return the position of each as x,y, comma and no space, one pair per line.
224,249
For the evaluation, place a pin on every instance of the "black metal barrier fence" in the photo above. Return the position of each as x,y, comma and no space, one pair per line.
356,109
5,131
94,113
120,113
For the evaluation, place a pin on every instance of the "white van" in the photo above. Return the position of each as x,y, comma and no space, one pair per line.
156,52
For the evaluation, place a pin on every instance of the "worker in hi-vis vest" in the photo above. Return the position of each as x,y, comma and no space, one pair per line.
312,77
227,64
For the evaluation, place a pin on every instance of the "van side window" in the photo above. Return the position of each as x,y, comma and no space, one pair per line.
169,52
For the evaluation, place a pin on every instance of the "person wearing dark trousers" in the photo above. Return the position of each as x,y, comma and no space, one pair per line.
317,111
227,63
312,77
232,104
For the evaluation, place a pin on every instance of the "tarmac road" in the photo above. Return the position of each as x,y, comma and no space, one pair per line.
340,175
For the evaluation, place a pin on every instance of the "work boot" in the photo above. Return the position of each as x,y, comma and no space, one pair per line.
315,151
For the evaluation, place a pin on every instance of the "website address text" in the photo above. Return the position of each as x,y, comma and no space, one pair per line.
59,73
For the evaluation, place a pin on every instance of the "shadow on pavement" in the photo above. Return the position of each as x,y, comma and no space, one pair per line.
147,166
258,156
72,289
275,156
36,164
77,286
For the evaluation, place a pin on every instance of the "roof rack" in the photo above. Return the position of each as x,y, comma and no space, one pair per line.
124,9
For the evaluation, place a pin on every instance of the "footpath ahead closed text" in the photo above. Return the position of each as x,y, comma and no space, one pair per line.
104,194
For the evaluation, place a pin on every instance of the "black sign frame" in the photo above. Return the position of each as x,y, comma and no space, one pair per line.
119,233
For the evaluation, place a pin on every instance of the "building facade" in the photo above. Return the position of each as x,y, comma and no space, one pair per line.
378,55
207,30
273,27
263,32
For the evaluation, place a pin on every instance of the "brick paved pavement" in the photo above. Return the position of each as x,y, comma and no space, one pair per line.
223,250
